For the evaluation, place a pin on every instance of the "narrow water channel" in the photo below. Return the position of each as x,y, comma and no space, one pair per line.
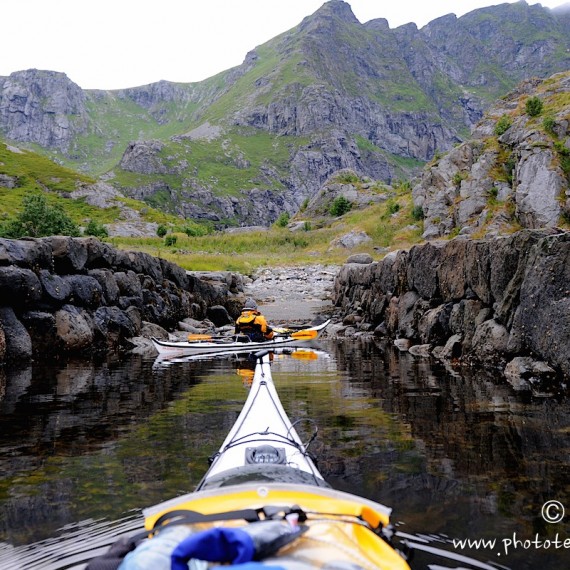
458,456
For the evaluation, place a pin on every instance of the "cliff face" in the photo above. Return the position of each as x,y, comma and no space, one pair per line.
42,107
514,175
501,302
329,94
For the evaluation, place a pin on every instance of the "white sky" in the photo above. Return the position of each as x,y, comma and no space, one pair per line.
113,44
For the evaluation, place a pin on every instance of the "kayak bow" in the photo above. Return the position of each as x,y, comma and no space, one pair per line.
264,482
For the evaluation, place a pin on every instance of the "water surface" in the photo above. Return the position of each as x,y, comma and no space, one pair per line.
457,454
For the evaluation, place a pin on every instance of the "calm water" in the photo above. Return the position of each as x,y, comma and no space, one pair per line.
83,447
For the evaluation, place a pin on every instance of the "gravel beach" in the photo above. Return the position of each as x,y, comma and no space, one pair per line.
293,294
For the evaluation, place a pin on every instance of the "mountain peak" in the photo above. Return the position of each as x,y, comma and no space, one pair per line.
329,13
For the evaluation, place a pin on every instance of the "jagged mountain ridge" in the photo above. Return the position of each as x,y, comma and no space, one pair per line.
329,94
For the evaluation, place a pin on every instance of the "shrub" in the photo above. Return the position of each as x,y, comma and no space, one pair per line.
403,186
503,124
283,220
195,230
417,213
304,205
392,207
548,124
340,206
458,177
96,229
39,219
170,240
161,231
307,226
347,178
533,106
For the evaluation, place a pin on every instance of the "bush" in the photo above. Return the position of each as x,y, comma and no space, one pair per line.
347,178
548,124
161,231
195,230
503,124
418,213
39,219
96,229
392,207
533,106
283,220
458,177
340,206
170,240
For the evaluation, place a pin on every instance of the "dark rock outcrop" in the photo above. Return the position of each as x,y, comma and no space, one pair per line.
78,295
486,301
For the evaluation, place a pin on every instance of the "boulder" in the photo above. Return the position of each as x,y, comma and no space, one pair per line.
74,329
361,258
19,286
18,341
219,315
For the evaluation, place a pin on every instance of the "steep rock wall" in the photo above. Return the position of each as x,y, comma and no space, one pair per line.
503,301
74,295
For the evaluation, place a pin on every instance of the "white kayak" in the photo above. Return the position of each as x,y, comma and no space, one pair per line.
263,436
224,345
263,501
263,483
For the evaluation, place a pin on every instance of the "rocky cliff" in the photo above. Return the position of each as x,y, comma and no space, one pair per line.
514,172
332,93
503,303
64,295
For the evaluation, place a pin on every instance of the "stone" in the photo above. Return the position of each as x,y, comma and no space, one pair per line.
523,372
402,344
219,315
361,258
17,339
422,350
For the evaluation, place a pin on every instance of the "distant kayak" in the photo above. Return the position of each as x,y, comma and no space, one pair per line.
207,344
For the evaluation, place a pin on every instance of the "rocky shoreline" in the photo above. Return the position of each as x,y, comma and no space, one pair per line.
501,303
64,296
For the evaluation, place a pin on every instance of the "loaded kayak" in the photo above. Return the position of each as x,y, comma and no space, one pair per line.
236,343
264,502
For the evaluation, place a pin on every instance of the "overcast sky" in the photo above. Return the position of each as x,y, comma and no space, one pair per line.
112,44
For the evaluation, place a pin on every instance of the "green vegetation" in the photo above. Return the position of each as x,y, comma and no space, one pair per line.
39,219
340,206
458,177
96,229
283,220
548,124
503,124
533,106
418,213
